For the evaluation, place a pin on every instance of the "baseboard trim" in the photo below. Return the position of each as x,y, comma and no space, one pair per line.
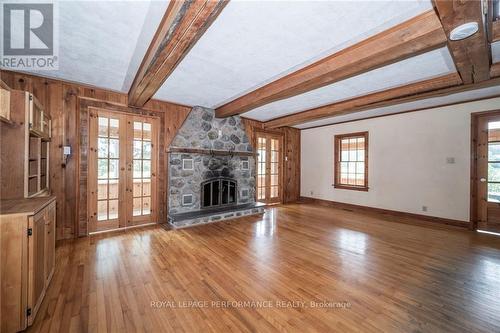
387,212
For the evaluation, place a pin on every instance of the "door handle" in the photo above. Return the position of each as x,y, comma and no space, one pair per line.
482,180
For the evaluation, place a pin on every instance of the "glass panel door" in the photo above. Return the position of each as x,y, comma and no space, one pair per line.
122,164
274,170
108,164
106,170
269,167
261,168
142,176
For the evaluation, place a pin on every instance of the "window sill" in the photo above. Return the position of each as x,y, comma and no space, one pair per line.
348,187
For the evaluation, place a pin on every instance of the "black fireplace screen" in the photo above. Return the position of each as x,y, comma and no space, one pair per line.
218,192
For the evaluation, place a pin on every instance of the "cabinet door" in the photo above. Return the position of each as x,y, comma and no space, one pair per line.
50,242
13,274
36,258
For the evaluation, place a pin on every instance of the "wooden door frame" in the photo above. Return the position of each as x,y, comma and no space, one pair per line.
474,206
83,104
281,138
124,211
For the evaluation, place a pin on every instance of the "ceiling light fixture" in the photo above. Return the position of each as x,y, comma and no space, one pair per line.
464,30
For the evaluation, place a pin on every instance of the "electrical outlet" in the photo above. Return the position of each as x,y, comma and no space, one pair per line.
424,208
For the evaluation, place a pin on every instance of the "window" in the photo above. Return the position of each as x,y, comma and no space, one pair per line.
351,161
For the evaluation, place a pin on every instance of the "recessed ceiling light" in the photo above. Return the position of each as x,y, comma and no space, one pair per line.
463,31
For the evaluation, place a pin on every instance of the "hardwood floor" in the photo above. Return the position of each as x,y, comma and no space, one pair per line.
379,276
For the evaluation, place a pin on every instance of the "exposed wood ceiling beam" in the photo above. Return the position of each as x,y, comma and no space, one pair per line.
471,55
182,25
364,102
412,98
418,35
439,105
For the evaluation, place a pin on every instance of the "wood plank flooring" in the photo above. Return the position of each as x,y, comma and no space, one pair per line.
369,274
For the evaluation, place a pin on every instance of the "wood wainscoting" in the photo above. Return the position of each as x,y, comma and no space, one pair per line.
399,216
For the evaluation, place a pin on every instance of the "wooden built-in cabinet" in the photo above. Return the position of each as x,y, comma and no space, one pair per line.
27,234
25,148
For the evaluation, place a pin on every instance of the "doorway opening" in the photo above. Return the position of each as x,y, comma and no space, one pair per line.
485,169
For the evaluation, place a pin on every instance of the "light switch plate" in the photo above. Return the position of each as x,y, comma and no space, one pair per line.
67,150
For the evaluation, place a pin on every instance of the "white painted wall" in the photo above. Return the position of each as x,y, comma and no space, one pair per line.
407,161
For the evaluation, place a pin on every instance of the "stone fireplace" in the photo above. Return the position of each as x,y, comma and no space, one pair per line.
211,170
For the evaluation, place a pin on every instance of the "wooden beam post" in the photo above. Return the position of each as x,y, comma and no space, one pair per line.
182,26
415,36
471,55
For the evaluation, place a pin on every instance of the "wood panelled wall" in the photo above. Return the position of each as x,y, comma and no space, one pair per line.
62,101
291,156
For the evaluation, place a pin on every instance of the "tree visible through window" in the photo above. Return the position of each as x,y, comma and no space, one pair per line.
351,161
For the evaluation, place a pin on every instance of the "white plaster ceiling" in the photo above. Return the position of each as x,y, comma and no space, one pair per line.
102,43
252,43
424,66
426,103
495,52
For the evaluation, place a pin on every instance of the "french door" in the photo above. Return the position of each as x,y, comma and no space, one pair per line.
269,168
122,170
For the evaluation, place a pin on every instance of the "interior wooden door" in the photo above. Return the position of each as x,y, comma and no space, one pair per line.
107,135
122,170
142,166
488,172
269,168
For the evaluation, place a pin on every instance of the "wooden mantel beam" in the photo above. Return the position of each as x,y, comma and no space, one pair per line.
182,26
471,55
361,103
415,36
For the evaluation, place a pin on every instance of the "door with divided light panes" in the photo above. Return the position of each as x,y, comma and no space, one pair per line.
122,170
269,168
487,179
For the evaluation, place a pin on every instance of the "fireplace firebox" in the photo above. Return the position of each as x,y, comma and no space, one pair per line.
218,192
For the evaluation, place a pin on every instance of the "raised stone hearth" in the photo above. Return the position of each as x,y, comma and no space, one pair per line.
189,219
215,151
